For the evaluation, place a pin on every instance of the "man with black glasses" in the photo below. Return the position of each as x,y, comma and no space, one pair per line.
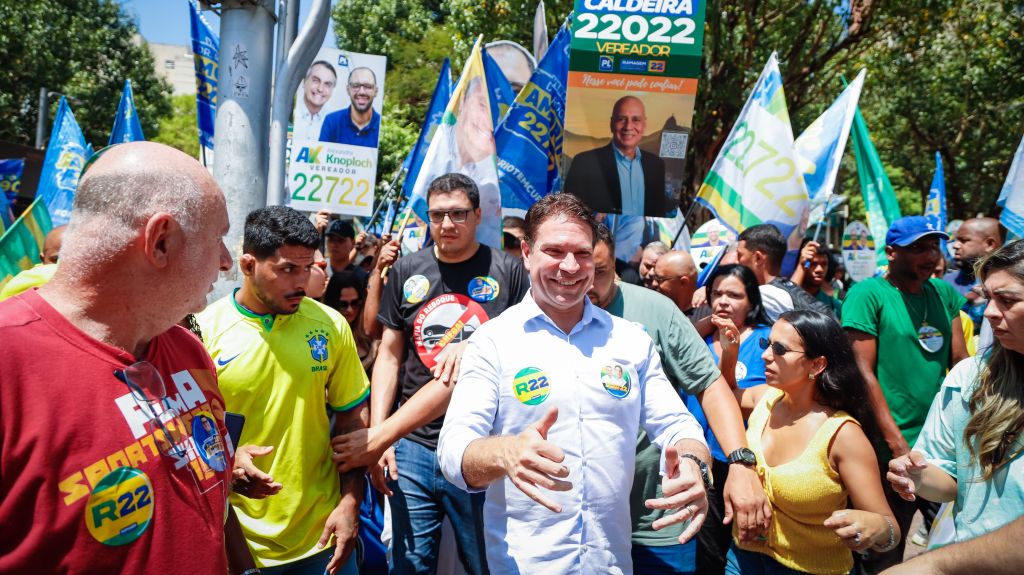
99,470
434,300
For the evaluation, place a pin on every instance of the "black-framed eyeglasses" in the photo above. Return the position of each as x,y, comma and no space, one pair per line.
777,348
457,216
147,388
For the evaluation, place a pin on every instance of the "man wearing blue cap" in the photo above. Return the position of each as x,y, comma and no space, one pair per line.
905,329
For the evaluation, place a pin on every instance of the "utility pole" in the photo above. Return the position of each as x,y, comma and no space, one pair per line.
245,65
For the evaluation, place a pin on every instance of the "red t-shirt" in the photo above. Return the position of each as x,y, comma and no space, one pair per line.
88,482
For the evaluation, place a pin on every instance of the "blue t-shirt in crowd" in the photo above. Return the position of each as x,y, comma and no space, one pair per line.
339,128
749,372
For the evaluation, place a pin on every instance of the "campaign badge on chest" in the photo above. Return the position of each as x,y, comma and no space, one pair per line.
615,380
416,288
483,288
930,338
208,441
531,386
120,508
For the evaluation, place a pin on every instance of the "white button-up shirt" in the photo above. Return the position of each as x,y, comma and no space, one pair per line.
307,126
515,368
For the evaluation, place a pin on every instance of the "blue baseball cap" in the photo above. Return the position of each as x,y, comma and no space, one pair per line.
909,229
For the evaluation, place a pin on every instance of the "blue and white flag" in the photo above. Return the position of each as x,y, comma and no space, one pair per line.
501,93
126,122
819,149
935,208
529,138
1011,197
435,111
65,157
205,49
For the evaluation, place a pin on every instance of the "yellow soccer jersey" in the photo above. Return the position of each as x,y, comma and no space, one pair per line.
279,372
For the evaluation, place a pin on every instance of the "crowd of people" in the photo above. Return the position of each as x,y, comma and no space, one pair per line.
561,409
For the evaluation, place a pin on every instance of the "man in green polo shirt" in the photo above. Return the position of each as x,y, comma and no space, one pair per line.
691,369
906,333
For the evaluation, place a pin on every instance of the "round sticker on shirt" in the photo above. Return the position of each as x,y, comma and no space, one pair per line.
483,288
741,371
615,380
416,288
930,338
446,319
120,508
208,441
531,386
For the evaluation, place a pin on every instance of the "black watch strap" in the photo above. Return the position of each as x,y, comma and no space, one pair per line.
743,456
705,472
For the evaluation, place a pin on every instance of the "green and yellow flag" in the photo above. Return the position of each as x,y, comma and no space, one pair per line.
22,243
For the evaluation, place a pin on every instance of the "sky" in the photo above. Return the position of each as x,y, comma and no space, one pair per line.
166,21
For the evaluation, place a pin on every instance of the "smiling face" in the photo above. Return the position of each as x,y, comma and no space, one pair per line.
318,87
561,266
279,281
362,89
628,124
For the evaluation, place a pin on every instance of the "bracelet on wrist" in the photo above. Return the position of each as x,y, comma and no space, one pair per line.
891,543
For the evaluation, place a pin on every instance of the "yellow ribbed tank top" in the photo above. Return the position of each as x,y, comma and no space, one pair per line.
803,492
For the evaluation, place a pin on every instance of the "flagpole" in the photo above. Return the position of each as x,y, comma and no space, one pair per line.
388,193
686,218
401,230
203,148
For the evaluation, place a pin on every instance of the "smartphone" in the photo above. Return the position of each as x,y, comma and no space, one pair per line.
234,422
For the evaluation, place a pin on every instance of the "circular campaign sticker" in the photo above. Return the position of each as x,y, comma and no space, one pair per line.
709,239
615,380
930,338
416,288
448,318
120,507
208,441
859,253
531,386
483,288
741,370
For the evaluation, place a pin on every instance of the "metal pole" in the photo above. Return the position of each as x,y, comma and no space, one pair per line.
686,218
300,56
44,112
243,103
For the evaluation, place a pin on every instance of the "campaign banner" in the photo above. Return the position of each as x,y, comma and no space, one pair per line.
65,157
126,122
632,87
529,139
935,207
859,251
710,240
205,52
335,133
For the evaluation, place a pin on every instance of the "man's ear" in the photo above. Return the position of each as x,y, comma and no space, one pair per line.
247,264
525,248
162,239
890,253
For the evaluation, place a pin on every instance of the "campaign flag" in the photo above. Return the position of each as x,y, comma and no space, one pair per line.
22,243
935,208
65,157
464,143
435,111
754,179
501,93
819,149
1011,197
10,182
529,138
205,49
126,122
705,274
879,197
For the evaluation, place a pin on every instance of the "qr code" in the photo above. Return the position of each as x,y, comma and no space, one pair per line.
673,144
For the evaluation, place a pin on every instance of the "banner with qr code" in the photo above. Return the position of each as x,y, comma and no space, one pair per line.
632,87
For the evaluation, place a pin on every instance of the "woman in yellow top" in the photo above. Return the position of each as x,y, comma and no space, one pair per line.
812,433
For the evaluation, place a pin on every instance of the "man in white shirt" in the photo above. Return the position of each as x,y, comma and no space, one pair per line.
531,412
317,88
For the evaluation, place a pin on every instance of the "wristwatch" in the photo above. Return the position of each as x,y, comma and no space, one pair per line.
705,472
743,456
